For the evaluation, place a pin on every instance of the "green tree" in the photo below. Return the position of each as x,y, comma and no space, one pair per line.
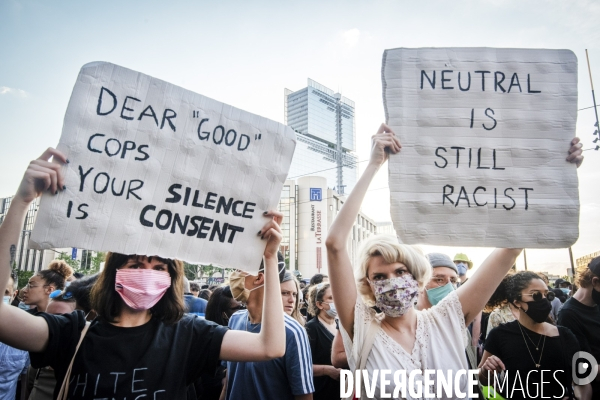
23,278
67,258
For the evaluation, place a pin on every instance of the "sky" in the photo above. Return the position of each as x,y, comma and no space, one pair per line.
245,53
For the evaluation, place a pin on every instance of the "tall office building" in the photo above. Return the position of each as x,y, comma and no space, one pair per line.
324,124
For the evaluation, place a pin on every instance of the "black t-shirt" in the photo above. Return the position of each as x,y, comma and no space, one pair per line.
320,340
508,343
154,360
584,322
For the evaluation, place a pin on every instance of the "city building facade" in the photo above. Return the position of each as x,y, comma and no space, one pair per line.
326,136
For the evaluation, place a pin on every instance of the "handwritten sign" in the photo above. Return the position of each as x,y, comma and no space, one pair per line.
485,134
158,170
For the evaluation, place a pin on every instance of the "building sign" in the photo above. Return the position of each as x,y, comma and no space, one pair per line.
159,170
315,194
74,253
485,133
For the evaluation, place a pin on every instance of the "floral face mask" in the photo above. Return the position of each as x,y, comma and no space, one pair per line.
396,295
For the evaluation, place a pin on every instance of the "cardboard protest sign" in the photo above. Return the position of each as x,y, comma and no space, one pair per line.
485,133
159,170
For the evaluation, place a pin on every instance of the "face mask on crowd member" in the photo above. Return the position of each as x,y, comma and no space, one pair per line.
394,296
444,277
237,280
537,297
463,264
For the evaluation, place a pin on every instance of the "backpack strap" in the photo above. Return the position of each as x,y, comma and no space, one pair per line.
366,348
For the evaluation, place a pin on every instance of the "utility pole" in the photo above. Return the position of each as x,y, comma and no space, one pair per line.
596,132
525,258
572,264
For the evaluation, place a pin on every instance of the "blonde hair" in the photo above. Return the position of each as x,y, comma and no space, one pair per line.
391,251
315,294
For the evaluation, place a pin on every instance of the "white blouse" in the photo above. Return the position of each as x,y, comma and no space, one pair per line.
441,339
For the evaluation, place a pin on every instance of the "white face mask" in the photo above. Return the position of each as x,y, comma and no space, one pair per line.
332,312
6,300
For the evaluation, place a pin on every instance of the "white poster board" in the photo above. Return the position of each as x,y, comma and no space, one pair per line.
159,170
485,133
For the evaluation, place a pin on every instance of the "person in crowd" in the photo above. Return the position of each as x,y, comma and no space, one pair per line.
390,275
36,293
142,338
193,304
556,303
530,345
195,289
285,378
221,306
290,297
81,289
318,278
502,310
463,264
205,294
42,380
13,362
581,314
321,330
559,294
302,284
564,286
219,309
444,280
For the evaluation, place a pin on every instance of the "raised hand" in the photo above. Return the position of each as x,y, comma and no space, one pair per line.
272,233
42,174
575,152
383,143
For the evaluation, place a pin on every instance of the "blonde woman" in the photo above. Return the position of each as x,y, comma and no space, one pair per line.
390,275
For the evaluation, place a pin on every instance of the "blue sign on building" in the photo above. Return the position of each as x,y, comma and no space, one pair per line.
74,253
315,194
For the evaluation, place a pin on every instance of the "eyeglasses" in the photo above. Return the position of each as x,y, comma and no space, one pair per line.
537,296
28,286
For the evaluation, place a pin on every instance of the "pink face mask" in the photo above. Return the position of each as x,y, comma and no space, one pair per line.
141,289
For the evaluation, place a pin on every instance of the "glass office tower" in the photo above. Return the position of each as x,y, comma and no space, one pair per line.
324,123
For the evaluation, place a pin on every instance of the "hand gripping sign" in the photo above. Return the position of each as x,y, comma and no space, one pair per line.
485,133
158,170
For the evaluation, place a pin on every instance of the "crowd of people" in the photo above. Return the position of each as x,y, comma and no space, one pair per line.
140,329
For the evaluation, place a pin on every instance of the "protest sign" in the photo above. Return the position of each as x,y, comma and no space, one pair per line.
485,133
159,170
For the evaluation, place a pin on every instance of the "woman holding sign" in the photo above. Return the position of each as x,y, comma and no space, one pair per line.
405,342
142,344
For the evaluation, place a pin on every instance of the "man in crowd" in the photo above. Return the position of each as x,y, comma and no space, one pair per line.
581,314
193,304
286,378
194,289
13,362
463,264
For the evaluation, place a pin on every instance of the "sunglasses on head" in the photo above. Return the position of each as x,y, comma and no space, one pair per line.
537,296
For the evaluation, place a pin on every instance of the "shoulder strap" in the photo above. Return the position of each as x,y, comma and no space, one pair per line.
361,363
64,388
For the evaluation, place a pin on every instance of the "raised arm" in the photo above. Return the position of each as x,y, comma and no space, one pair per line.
476,292
18,328
270,342
341,276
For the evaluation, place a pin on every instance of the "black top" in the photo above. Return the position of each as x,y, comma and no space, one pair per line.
154,359
584,322
320,340
507,343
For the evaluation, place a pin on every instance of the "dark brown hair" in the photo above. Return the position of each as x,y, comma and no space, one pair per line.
108,303
57,273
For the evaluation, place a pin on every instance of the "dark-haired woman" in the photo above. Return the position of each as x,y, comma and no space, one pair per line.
141,344
534,355
36,294
222,305
321,331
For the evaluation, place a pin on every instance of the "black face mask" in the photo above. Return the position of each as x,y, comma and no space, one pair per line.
539,310
596,296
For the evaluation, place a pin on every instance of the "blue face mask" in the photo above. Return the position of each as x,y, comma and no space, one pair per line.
6,300
23,306
565,290
462,269
437,294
